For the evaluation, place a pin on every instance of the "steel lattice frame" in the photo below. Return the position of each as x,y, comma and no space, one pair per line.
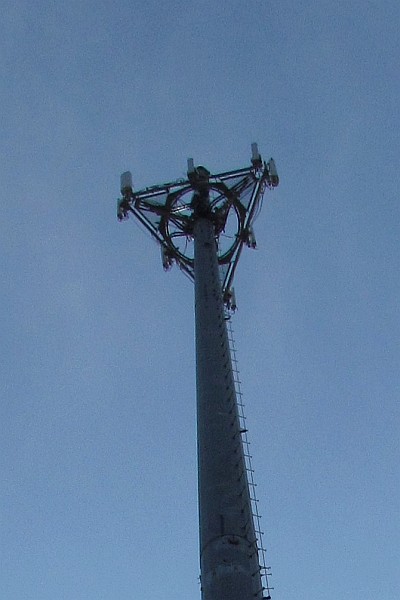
167,212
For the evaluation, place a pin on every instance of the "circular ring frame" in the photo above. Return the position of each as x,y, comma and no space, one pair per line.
178,220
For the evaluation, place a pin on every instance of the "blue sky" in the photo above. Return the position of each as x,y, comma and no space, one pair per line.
97,460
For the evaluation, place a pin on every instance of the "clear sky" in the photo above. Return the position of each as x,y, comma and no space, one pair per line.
98,450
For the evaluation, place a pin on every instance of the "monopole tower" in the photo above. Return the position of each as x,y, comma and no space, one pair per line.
202,224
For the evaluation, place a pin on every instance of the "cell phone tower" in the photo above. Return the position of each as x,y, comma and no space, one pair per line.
202,224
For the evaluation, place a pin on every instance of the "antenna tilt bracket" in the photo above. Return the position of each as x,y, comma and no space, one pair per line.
230,199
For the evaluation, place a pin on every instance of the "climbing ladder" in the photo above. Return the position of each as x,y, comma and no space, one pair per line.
265,571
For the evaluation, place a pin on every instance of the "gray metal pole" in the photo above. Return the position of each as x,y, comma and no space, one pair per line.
228,549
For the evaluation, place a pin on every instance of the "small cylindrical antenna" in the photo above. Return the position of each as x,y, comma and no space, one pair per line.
233,299
255,155
273,173
126,183
190,166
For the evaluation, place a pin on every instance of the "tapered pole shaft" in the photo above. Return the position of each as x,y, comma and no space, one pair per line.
228,550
